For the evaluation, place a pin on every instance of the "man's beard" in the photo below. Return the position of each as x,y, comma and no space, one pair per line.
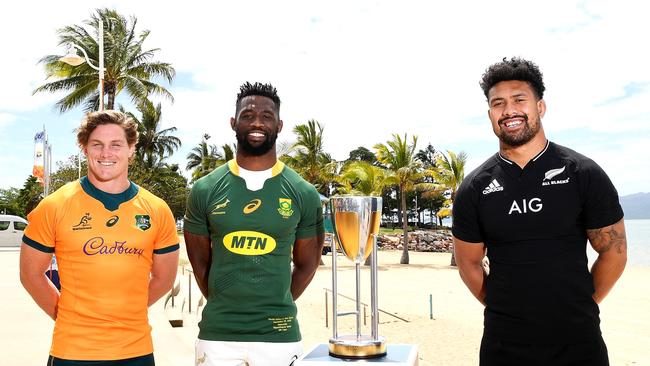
259,150
519,138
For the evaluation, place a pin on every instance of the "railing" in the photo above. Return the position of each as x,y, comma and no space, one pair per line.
180,316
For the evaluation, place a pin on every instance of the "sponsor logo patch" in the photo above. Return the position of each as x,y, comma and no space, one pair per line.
142,222
285,207
252,206
552,174
494,186
83,223
249,243
219,206
112,221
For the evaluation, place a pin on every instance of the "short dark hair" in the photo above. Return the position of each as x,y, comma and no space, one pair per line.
107,117
514,69
264,90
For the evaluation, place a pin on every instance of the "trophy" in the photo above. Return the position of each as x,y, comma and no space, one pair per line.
356,225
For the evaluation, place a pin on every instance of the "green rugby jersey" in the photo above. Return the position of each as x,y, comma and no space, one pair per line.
252,234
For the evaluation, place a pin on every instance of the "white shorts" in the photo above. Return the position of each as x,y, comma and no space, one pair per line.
222,353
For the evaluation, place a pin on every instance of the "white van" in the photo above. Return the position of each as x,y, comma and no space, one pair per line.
11,230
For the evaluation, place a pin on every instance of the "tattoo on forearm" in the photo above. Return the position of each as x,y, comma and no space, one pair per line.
603,239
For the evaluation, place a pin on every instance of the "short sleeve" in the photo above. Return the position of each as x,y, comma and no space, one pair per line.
465,224
41,228
311,216
601,206
167,240
195,220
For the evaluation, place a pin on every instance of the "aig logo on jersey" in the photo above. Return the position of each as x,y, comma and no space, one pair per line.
525,206
548,176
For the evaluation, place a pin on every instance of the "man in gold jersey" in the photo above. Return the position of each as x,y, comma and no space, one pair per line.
117,252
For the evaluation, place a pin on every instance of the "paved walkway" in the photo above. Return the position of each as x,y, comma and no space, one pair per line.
26,332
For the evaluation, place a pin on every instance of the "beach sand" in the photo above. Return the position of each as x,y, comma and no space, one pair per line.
452,337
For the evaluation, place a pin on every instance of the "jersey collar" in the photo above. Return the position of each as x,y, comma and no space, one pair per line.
111,201
275,170
510,162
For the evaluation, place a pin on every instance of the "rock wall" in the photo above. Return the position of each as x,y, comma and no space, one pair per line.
419,241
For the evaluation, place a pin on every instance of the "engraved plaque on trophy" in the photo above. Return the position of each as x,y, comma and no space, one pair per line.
356,224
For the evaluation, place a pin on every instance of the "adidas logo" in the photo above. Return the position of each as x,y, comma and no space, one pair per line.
493,187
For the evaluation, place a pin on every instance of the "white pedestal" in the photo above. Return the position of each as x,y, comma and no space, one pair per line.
396,354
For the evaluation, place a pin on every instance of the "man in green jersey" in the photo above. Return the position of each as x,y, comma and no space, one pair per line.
244,225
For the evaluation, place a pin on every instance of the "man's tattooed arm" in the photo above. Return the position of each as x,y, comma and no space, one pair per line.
611,245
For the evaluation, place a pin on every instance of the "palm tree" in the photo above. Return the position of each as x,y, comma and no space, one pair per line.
154,144
128,65
363,178
309,159
399,157
449,173
203,158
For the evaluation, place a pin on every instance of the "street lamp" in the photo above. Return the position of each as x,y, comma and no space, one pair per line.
74,60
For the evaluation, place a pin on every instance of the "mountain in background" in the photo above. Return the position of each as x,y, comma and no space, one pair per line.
636,206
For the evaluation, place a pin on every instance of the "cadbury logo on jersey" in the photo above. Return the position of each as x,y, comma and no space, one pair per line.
96,246
249,243
552,174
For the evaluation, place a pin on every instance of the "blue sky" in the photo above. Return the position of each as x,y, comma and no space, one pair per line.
364,69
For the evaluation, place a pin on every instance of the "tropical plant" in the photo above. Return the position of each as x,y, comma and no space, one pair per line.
449,174
29,196
129,66
154,144
9,201
399,157
363,178
308,158
203,158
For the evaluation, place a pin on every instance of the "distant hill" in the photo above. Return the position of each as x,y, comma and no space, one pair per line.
636,206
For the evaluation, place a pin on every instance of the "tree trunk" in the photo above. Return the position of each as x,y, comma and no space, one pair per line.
405,250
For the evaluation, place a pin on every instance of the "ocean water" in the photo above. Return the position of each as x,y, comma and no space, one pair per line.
638,243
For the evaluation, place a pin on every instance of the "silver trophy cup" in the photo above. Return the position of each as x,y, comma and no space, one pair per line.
356,225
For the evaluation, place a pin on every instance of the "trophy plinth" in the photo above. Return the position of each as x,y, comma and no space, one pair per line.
356,225
348,346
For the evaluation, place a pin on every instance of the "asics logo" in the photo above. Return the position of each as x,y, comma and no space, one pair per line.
494,186
252,206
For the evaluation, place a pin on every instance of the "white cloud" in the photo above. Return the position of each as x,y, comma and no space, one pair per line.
368,69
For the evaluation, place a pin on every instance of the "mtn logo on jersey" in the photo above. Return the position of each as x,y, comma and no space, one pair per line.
249,243
494,186
252,206
553,173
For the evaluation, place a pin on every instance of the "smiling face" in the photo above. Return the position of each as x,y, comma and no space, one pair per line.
108,153
515,112
256,125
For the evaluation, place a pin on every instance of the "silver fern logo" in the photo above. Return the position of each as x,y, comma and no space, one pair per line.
553,172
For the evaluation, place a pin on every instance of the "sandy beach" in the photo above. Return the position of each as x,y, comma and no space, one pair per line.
452,337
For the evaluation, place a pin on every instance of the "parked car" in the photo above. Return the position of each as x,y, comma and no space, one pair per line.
11,230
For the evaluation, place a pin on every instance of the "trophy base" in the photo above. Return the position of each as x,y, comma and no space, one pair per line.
353,347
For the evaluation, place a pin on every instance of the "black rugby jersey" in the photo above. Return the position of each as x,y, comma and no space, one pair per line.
533,222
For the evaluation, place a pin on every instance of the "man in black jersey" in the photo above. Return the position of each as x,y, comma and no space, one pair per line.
532,207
